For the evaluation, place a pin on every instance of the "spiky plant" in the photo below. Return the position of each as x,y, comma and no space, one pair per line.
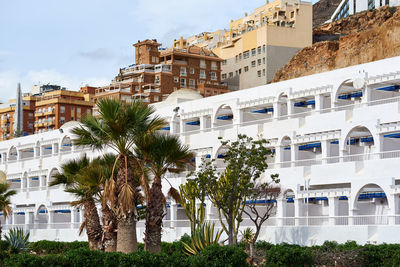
203,237
17,239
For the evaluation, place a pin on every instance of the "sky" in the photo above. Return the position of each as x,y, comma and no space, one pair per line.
77,42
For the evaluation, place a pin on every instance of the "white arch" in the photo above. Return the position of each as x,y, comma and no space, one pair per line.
357,190
347,130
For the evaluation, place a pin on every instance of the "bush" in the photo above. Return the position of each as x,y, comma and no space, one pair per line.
289,255
4,245
381,255
54,247
219,256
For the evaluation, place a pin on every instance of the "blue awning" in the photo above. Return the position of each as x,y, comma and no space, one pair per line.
50,148
208,156
372,195
42,211
389,88
286,148
344,96
63,211
35,178
335,142
343,198
309,146
221,156
299,104
393,135
166,128
66,145
290,200
193,123
352,141
225,117
20,213
368,139
260,201
16,180
356,94
310,102
264,110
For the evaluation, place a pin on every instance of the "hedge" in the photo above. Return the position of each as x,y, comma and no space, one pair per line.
213,256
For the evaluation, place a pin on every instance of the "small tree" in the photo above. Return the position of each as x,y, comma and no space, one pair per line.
192,200
266,194
228,190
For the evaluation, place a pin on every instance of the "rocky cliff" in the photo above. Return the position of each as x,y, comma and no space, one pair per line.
362,38
323,10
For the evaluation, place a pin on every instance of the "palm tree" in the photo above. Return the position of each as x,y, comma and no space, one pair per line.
160,153
83,181
5,201
118,128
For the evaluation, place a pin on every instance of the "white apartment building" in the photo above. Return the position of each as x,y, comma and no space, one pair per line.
336,137
350,7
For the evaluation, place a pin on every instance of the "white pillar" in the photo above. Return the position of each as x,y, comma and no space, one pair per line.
174,210
294,154
277,110
55,148
326,150
182,126
392,204
238,116
36,152
290,107
367,95
333,203
42,149
298,206
81,215
281,211
51,217
27,218
73,214
278,156
203,123
319,103
208,210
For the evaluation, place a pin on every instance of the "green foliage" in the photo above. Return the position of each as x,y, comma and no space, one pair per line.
17,239
191,193
246,160
202,237
4,245
211,256
54,247
289,255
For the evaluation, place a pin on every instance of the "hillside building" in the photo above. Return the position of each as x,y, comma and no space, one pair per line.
260,43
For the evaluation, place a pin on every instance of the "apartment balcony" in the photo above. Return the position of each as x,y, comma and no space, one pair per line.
214,67
39,114
278,18
52,112
184,74
152,90
203,66
181,62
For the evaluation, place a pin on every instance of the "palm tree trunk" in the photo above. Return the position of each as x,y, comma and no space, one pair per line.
126,235
109,229
154,217
93,227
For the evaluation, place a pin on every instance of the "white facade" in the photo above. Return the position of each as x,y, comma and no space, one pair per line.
350,7
336,137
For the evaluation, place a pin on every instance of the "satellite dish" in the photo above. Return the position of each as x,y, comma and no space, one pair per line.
3,177
358,83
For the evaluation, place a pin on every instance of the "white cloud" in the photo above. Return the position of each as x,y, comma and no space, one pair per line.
168,20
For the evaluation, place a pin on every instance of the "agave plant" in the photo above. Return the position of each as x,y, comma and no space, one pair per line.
17,239
202,237
248,239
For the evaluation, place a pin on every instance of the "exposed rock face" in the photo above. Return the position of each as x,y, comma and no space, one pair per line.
365,37
323,10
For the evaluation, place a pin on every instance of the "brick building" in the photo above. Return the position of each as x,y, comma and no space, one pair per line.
7,118
159,72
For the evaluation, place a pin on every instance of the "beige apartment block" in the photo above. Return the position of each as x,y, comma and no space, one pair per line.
260,43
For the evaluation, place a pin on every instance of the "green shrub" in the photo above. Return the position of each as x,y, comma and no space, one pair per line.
289,255
381,255
219,256
54,247
24,259
263,245
17,239
4,245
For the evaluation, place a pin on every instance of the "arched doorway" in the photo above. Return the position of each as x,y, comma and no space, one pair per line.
359,144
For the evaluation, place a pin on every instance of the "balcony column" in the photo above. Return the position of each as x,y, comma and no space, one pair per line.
174,211
333,207
42,150
73,217
174,127
42,180
367,95
51,214
208,209
319,103
36,152
81,215
278,156
203,123
182,126
326,150
294,154
298,210
290,108
281,211
28,218
14,217
393,208
351,212
19,154
238,116
55,148
277,110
